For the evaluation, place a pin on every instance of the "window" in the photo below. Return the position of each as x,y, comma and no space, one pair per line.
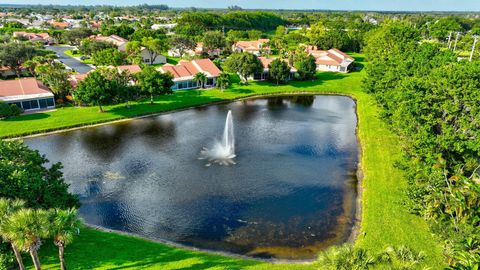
50,102
34,104
43,103
210,81
26,105
146,60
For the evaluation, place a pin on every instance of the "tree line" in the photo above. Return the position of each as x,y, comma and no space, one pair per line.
34,203
432,101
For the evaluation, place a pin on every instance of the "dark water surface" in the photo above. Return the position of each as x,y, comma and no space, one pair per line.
291,193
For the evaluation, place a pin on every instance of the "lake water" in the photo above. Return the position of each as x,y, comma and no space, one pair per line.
291,193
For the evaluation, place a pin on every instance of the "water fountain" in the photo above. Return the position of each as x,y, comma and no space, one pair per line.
222,152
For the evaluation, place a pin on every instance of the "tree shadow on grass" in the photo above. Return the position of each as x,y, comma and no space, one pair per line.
95,249
27,117
177,100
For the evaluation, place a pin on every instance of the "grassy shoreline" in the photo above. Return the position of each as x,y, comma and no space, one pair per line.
385,220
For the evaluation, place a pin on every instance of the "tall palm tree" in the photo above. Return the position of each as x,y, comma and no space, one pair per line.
64,225
7,208
25,228
223,81
201,78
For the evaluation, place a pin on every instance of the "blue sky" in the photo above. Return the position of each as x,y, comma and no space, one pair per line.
410,5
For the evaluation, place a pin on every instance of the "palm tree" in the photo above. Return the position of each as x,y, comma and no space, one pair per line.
400,258
346,257
25,228
223,81
201,78
7,208
64,225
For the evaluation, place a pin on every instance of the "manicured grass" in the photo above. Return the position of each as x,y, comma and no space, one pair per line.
71,53
99,250
385,220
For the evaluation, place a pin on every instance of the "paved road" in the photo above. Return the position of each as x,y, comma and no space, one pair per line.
68,60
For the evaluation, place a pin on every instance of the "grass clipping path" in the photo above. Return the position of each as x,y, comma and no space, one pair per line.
385,220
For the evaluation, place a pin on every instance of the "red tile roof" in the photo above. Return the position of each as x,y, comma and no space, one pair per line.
251,45
187,69
333,57
22,87
132,69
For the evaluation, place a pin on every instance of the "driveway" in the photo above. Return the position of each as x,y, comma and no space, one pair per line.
69,61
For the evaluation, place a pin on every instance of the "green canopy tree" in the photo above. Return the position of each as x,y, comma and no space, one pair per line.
109,57
213,40
279,71
245,64
14,54
155,47
305,65
55,77
96,89
24,174
152,82
182,44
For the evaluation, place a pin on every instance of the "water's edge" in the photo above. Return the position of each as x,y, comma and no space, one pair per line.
354,231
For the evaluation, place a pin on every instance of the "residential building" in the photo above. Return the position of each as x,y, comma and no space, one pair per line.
332,60
256,47
27,93
200,50
60,25
132,69
40,37
145,54
119,42
75,79
184,72
266,67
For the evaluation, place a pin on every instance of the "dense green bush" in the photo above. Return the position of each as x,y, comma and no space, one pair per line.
7,110
431,100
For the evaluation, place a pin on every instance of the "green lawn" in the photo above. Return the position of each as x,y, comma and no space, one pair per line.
385,220
71,53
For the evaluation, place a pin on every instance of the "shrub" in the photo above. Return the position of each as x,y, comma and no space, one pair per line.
7,110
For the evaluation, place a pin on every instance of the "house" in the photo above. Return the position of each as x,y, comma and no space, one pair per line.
332,60
131,69
200,49
121,45
264,74
40,37
27,93
60,25
252,46
75,79
145,55
119,42
184,72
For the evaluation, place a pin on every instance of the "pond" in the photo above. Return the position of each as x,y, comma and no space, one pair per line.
291,193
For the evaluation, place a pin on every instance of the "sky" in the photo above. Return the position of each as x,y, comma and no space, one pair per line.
380,5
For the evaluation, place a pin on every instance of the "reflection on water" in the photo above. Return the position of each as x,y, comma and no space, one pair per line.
291,193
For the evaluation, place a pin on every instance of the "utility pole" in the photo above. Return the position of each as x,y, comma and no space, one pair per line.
449,39
475,40
456,39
